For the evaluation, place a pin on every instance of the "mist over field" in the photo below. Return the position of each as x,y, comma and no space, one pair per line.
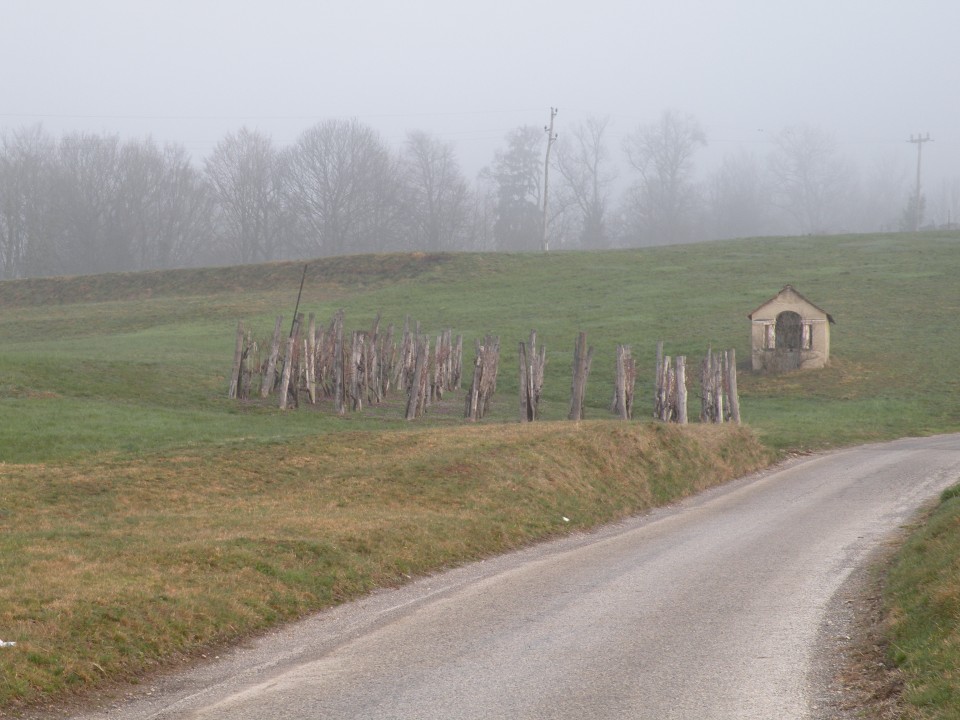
155,135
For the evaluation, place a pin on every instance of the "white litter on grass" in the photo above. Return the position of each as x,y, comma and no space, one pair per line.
5,643
566,519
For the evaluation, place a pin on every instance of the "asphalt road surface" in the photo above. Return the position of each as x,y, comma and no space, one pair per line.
708,609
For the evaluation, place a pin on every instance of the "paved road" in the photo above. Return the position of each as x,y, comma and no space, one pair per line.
710,609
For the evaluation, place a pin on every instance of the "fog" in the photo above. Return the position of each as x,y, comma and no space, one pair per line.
865,75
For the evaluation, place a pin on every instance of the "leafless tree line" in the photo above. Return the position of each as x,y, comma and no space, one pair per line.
87,203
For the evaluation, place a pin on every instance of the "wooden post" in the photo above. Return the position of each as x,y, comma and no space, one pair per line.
237,360
620,389
415,400
706,400
669,389
532,362
337,360
582,358
471,411
287,369
733,398
269,381
436,376
658,384
537,359
423,392
523,382
484,383
458,362
681,389
387,357
311,359
488,378
289,362
663,403
355,366
371,363
718,387
246,374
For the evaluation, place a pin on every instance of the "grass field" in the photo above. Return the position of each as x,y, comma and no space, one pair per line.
924,597
139,497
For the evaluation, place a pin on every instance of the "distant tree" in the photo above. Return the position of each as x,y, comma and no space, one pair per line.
583,162
910,219
479,234
664,200
244,173
343,184
739,197
517,172
163,206
184,216
84,202
26,168
437,200
881,191
812,182
945,208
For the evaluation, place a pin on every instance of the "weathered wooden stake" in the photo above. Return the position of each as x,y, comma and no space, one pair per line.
269,379
485,368
733,399
339,402
626,376
310,359
582,358
288,363
681,389
416,400
524,381
237,360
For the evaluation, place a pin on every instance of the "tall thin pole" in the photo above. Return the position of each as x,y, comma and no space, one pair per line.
299,293
551,136
919,140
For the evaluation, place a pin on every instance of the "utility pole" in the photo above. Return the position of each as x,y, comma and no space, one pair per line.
551,136
919,140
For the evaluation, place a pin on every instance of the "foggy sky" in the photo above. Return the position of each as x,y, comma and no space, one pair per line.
190,71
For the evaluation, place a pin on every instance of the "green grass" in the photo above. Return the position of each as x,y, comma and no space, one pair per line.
163,342
924,599
145,517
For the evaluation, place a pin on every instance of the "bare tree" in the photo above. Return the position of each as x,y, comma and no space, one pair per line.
184,212
812,183
26,166
243,170
582,162
880,195
342,182
437,193
946,205
664,198
85,199
740,201
480,234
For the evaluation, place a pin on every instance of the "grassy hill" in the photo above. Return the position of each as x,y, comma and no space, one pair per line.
135,497
137,362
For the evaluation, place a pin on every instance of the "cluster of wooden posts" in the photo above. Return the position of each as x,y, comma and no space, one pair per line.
315,364
719,401
364,366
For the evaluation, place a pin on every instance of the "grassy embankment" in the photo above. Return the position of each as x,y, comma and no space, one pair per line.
139,497
923,594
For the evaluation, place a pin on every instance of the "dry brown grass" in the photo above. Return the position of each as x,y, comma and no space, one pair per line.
134,563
